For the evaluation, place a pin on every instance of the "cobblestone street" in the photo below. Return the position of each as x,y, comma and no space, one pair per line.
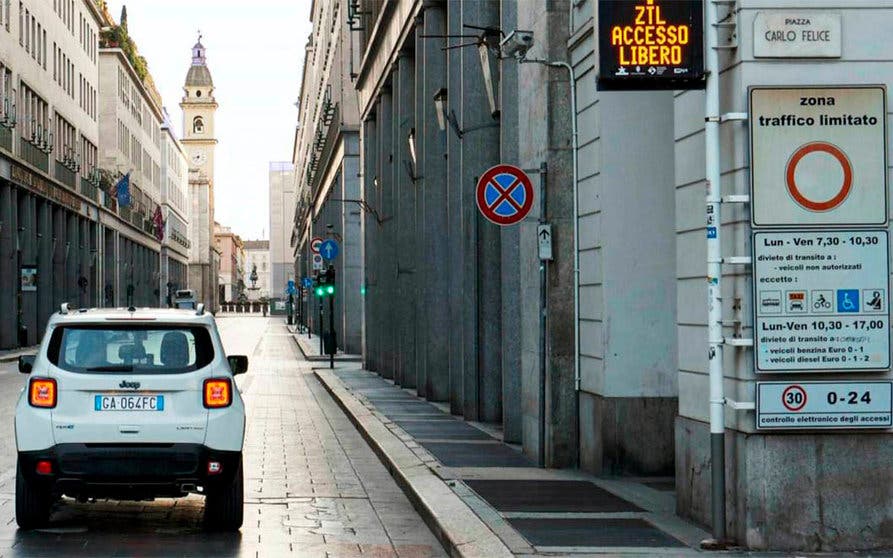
313,486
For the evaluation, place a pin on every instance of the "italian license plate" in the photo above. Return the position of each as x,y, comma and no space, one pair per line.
128,403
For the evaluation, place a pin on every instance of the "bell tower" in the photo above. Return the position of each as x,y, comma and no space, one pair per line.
199,107
199,142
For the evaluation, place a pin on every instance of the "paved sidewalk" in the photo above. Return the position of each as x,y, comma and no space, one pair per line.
533,511
309,345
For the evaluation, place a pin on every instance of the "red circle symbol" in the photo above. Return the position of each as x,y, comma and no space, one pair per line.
504,195
794,190
314,244
793,398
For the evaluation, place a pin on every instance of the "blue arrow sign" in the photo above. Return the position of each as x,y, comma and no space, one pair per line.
307,282
329,249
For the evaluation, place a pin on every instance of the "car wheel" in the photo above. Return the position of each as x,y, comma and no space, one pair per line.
223,505
33,504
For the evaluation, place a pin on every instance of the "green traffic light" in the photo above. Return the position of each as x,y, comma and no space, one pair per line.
330,289
319,291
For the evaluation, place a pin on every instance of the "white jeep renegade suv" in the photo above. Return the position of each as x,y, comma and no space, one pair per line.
130,404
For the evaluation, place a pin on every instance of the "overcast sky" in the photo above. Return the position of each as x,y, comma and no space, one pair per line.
255,54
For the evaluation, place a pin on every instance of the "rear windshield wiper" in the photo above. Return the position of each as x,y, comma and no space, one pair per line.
113,368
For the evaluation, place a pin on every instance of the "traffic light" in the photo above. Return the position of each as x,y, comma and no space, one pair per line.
325,282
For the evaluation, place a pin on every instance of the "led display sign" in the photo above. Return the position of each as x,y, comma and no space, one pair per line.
651,44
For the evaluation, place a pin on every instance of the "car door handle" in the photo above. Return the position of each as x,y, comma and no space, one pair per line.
129,429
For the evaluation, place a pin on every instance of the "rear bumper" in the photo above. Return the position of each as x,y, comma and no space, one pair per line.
129,470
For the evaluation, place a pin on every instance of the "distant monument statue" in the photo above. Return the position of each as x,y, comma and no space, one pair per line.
253,276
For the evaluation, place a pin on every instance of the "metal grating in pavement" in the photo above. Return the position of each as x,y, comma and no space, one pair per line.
441,430
459,454
549,496
593,532
386,394
412,407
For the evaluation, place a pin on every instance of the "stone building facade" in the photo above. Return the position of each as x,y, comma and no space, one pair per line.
464,312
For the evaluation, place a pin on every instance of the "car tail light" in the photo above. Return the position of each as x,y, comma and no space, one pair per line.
44,467
42,393
218,393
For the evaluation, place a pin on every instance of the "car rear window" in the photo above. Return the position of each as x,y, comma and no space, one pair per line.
124,348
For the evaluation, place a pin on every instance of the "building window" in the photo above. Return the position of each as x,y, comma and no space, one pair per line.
198,93
198,125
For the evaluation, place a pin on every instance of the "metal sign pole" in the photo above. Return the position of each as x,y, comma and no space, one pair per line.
714,276
322,348
333,349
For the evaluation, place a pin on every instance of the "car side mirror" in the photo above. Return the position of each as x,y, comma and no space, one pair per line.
26,363
238,364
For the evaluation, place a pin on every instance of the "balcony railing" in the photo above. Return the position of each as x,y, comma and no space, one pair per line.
32,154
66,176
109,201
88,189
6,138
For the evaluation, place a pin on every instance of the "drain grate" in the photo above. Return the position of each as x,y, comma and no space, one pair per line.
458,454
390,408
549,496
441,430
593,532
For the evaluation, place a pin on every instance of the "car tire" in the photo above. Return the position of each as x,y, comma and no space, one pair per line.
33,504
224,505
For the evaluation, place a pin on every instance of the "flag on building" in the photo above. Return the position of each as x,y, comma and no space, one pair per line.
158,220
122,191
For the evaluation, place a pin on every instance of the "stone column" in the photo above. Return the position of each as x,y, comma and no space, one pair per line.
352,256
510,278
9,274
481,241
458,287
44,231
59,239
370,245
27,237
405,303
433,209
384,249
72,259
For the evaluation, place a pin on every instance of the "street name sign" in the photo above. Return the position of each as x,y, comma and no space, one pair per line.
504,195
818,156
824,405
797,34
821,301
329,249
651,44
314,244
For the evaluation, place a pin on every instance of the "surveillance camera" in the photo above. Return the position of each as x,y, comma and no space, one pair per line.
516,44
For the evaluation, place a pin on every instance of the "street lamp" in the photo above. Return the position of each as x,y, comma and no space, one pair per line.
445,114
440,99
411,140
484,52
413,164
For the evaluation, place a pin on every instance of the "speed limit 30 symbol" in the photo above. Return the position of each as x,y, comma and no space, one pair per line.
793,398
